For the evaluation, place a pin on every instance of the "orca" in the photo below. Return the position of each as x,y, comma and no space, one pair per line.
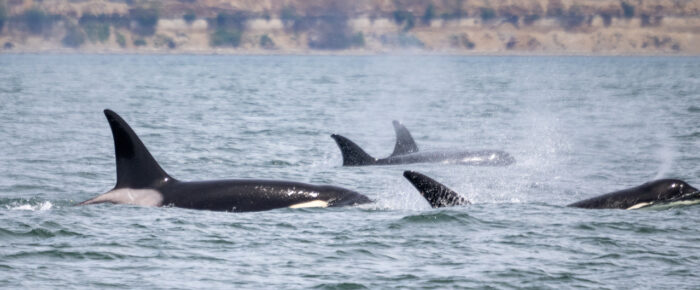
406,152
658,193
141,181
662,192
437,194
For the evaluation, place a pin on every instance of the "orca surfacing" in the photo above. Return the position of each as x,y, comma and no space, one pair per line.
406,152
653,193
141,181
657,193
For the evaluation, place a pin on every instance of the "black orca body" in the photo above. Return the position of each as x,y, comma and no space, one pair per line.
406,152
663,192
653,193
141,181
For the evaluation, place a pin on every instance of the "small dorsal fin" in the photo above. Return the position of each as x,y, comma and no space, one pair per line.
352,154
434,192
136,168
404,140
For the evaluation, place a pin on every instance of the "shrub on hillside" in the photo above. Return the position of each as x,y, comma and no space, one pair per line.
461,41
607,19
574,18
36,20
487,13
231,20
330,30
266,42
289,15
429,14
163,40
225,37
404,18
512,19
627,9
139,42
295,22
121,40
189,17
74,37
95,26
456,13
530,19
512,42
229,29
648,20
358,40
146,19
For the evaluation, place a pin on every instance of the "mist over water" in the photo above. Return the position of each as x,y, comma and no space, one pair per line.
577,127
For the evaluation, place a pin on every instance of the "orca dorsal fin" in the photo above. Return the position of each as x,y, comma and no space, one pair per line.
404,140
136,168
352,154
434,192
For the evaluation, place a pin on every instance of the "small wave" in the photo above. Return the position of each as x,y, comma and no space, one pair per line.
40,206
37,233
278,163
323,80
689,136
340,286
77,255
437,217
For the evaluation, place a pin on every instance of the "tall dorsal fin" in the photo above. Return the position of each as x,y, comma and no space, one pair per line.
404,140
352,154
136,168
434,192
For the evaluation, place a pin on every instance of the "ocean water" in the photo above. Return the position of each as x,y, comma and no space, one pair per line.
577,126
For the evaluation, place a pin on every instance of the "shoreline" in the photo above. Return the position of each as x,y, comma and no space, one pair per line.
342,53
267,27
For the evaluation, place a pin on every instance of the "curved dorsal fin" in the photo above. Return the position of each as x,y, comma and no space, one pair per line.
136,168
404,140
434,192
352,154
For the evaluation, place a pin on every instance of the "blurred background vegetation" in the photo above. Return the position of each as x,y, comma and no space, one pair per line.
362,25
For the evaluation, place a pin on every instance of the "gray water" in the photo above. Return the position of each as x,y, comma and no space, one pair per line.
577,126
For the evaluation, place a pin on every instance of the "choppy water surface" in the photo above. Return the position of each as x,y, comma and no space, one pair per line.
577,126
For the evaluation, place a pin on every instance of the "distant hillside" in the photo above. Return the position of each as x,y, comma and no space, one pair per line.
358,26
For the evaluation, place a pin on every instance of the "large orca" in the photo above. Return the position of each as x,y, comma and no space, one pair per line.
663,192
141,181
406,151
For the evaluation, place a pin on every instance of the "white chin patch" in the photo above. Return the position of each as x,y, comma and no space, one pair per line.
143,197
313,203
675,203
640,205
